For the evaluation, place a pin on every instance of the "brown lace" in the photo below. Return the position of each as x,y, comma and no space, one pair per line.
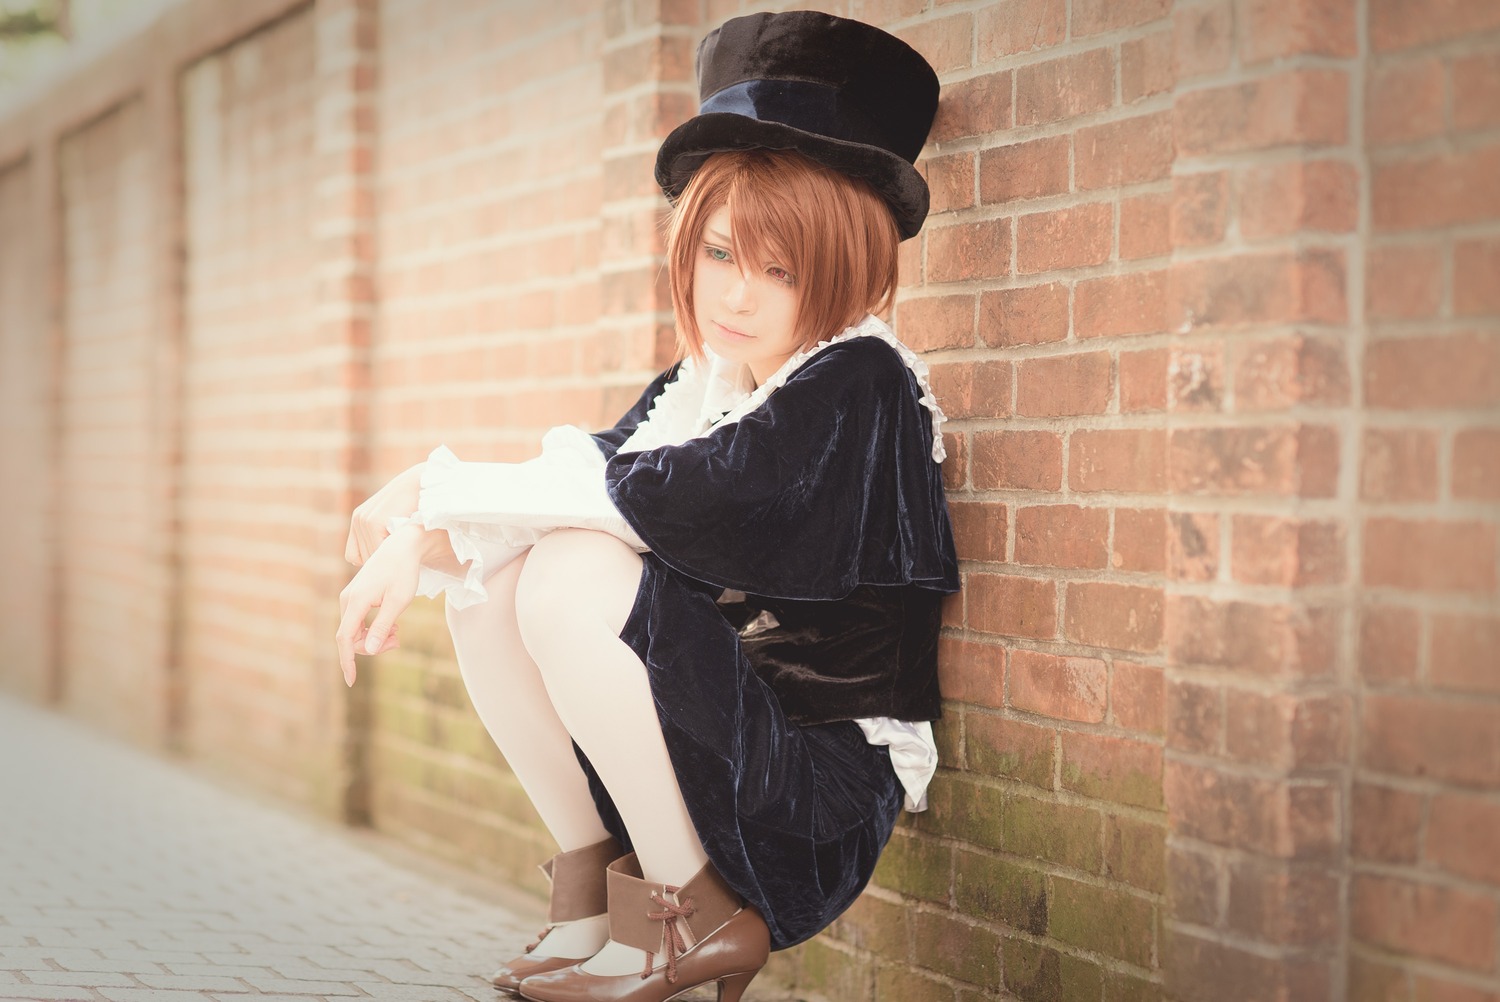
539,937
675,943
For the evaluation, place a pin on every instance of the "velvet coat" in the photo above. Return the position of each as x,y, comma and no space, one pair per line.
824,507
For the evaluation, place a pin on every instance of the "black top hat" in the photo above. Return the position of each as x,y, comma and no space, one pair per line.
841,92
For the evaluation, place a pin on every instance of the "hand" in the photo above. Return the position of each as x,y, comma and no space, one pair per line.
387,581
367,525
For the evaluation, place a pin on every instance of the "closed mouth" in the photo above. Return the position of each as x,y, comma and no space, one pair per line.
731,331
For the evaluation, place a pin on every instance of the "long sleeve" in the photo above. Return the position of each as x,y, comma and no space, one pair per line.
493,512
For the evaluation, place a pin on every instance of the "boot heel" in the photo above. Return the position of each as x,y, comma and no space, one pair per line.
732,987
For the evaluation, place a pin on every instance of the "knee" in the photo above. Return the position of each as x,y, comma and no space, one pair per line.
480,623
577,584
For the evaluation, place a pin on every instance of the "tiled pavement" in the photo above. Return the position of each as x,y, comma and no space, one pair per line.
126,877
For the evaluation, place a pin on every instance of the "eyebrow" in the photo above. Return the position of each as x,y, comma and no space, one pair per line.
723,238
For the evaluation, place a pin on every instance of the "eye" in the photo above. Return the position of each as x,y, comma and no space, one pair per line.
781,275
716,253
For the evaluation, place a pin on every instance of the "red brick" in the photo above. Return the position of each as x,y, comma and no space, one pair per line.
1287,552
1012,606
1064,688
1280,373
1438,923
950,179
1376,981
1019,460
1137,697
1443,739
1128,151
1200,208
1065,87
1143,380
1465,653
1296,107
1429,555
1024,170
1257,289
1120,617
1306,196
1405,102
1475,265
1092,17
1285,731
1275,29
973,389
1195,717
1066,238
979,529
1193,546
1006,27
971,672
929,323
956,466
1273,817
964,251
1062,536
1476,464
1385,824
1397,24
1274,903
1441,190
973,107
1476,91
1193,881
1388,641
1033,314
1145,226
1428,988
1195,378
945,42
1404,281
1203,36
1121,770
1399,464
1061,385
1129,460
1146,66
1460,836
1132,303
1140,541
1438,372
1270,640
1234,461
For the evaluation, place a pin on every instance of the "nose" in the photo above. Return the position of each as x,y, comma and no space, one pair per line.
737,294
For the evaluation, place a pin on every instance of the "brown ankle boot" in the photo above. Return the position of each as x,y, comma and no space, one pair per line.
579,890
730,942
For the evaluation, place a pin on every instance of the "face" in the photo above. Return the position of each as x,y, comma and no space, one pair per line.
746,310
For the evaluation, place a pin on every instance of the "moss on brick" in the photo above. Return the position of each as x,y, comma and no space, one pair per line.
958,949
876,925
830,971
1058,833
1107,921
1121,987
1009,749
903,983
964,809
1001,891
915,865
1035,973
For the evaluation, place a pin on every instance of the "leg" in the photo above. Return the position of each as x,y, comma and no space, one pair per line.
508,694
573,599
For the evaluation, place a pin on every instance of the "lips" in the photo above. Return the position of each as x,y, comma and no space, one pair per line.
733,334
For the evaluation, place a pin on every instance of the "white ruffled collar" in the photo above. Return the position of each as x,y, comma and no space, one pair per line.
705,396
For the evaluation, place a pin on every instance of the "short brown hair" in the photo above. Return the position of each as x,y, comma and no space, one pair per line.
832,232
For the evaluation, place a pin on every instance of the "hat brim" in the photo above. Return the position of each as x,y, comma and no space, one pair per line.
694,141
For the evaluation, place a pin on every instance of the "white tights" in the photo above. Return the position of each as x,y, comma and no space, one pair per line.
544,665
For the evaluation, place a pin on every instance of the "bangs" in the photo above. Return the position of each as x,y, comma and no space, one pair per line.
833,233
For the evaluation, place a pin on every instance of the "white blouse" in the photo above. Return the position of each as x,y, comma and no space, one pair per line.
493,512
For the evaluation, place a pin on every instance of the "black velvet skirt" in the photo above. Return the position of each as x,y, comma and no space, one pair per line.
793,816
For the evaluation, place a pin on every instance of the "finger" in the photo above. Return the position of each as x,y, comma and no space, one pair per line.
384,624
351,549
351,631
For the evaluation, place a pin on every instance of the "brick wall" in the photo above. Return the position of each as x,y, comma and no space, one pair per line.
1207,292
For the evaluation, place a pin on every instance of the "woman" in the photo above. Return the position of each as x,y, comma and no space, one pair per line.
709,633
